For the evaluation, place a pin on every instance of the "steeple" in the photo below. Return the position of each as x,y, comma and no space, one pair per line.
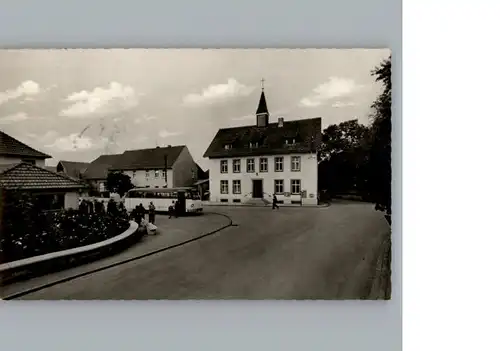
262,112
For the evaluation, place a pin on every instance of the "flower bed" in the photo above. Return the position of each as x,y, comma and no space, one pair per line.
27,231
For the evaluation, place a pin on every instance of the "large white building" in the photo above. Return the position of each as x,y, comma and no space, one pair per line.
249,164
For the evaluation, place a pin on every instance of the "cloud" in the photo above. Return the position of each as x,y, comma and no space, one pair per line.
145,118
218,92
48,136
340,104
140,139
26,89
244,118
75,142
16,117
335,87
114,98
165,133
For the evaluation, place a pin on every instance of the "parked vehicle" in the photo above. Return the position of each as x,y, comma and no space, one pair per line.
188,198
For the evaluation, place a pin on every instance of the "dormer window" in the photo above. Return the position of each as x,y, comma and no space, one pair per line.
228,146
290,141
254,145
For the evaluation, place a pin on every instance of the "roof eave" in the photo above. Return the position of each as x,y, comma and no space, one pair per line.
259,153
43,156
137,168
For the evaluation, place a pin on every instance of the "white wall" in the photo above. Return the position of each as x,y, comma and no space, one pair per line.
308,175
71,200
7,160
140,180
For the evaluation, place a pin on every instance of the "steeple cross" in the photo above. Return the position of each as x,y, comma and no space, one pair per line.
262,83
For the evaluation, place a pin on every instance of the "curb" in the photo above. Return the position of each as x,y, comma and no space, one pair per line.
381,288
30,267
267,206
119,263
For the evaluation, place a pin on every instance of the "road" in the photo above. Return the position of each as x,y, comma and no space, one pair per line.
290,253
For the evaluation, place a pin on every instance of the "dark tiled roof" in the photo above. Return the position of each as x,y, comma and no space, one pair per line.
6,167
148,158
201,173
74,169
13,147
51,168
98,169
25,176
271,139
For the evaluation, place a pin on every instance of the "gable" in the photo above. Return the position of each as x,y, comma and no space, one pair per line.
73,169
98,169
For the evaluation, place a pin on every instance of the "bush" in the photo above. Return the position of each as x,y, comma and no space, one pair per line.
27,231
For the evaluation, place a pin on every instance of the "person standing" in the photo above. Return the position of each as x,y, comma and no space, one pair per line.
152,213
275,202
91,207
177,209
171,210
112,207
142,211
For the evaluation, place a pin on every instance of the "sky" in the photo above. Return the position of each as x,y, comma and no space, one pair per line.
78,104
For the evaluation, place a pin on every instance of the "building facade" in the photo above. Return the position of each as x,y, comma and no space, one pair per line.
161,167
249,164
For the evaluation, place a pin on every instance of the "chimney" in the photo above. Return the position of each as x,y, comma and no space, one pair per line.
280,122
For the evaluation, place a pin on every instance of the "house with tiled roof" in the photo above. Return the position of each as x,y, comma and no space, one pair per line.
22,168
73,169
97,171
14,151
159,167
54,191
249,164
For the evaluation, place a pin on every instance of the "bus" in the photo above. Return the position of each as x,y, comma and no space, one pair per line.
162,198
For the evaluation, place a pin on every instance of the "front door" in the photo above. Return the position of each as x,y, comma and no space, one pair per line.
257,189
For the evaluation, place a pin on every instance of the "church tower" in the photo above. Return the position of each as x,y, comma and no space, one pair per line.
262,112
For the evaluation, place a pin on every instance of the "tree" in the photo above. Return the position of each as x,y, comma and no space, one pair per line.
343,137
380,179
118,182
343,155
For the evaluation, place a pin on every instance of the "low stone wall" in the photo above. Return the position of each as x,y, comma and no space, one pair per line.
11,272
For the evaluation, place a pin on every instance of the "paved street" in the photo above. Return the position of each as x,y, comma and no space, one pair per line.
291,253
